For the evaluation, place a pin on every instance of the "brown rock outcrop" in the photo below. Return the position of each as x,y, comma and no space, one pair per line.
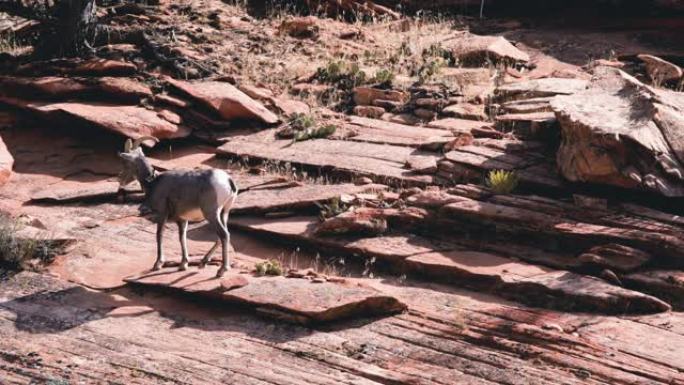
226,100
623,133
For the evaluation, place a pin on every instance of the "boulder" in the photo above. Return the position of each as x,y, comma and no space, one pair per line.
475,50
660,70
226,100
623,133
6,163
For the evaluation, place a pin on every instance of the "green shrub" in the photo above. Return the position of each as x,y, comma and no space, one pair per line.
342,74
332,208
301,122
502,181
271,267
17,253
384,77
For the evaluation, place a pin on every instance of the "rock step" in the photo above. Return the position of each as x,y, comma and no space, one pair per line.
472,163
507,218
383,132
296,300
526,106
539,88
295,198
667,284
384,163
451,263
529,126
127,120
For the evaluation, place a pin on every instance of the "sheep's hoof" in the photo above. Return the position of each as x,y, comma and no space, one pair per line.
183,266
202,265
221,272
157,266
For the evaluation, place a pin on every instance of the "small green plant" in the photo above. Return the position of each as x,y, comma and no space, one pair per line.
271,267
384,77
502,181
332,208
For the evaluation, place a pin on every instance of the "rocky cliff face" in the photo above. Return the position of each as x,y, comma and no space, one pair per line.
622,132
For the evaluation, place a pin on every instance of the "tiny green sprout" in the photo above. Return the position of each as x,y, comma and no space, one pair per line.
502,181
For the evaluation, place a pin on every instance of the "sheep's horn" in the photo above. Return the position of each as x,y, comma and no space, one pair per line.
128,145
138,142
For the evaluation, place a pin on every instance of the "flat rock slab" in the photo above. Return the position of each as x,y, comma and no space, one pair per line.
451,263
475,50
384,163
128,120
540,88
297,300
295,198
383,132
225,100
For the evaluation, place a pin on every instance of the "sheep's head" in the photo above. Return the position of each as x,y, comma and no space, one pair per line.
133,159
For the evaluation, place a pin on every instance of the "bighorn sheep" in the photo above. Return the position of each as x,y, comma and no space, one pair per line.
182,196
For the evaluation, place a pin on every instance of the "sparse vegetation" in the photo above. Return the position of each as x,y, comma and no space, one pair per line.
271,267
21,254
315,133
502,181
430,69
342,74
301,122
332,208
384,77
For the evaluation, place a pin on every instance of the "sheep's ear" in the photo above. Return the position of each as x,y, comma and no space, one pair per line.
128,146
125,156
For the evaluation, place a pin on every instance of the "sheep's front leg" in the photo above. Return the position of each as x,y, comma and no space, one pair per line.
182,235
160,253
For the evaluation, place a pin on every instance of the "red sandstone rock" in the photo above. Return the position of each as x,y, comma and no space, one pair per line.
226,100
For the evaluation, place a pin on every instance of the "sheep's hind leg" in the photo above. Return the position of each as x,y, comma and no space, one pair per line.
182,235
160,253
224,236
209,253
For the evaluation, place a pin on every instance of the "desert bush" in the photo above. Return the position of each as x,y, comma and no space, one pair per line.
342,74
502,181
332,208
20,253
384,77
271,267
